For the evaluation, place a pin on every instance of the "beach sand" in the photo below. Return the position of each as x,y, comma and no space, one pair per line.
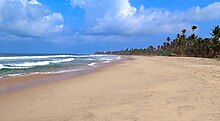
142,89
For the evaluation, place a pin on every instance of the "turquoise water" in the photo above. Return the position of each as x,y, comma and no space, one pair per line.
20,64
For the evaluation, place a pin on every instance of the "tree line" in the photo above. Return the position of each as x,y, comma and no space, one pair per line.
182,45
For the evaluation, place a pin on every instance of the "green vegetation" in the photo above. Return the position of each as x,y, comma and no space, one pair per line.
218,59
191,46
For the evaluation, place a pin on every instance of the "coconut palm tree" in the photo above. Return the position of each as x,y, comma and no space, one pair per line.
183,32
192,45
215,42
216,31
182,41
194,28
168,39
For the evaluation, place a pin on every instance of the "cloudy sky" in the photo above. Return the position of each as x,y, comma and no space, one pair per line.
86,26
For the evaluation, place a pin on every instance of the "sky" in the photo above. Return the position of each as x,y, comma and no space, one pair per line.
86,26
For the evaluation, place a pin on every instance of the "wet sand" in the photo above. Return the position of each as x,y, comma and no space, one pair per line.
143,89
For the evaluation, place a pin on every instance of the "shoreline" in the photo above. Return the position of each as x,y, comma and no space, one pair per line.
21,82
15,66
144,88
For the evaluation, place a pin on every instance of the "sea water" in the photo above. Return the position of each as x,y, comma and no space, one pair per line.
21,64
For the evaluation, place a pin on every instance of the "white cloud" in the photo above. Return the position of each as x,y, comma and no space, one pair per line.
210,12
78,2
28,18
119,17
143,21
34,2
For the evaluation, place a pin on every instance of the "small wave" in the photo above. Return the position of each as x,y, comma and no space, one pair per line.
65,71
42,64
92,64
118,58
63,60
49,56
13,75
53,72
110,59
1,66
58,72
87,56
90,59
9,67
33,64
34,57
99,55
106,61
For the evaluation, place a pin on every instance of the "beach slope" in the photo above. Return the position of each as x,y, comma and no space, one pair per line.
142,89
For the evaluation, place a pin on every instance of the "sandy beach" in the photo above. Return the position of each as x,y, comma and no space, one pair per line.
142,89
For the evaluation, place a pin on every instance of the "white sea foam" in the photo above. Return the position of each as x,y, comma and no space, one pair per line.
92,64
13,75
9,67
99,55
24,62
106,61
33,64
59,72
63,60
64,71
1,66
90,59
87,56
34,57
118,57
50,56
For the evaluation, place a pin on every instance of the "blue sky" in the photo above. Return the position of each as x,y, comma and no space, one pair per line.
86,26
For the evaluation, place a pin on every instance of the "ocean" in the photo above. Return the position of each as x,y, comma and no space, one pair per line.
12,65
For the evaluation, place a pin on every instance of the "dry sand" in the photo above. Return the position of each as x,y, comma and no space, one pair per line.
143,89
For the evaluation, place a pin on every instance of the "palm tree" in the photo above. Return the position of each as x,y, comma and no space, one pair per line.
181,45
194,28
164,46
178,35
168,39
207,47
184,32
192,43
182,41
216,31
215,41
168,42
